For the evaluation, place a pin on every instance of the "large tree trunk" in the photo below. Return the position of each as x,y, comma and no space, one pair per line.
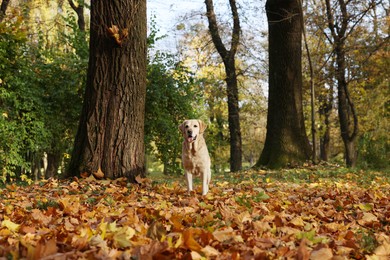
110,136
286,141
231,79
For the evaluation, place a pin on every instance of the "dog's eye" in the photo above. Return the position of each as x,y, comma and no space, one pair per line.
195,126
186,126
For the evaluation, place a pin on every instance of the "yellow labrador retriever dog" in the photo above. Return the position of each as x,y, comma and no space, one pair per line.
195,156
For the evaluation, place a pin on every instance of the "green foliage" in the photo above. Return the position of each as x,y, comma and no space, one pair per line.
21,124
375,151
40,95
367,241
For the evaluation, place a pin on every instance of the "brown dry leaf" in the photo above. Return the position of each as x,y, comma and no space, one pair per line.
321,254
94,219
43,248
99,174
156,231
383,251
210,251
227,234
42,218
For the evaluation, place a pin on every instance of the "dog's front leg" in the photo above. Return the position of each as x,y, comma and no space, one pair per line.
189,181
205,182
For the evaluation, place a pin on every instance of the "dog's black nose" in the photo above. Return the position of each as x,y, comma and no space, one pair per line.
189,132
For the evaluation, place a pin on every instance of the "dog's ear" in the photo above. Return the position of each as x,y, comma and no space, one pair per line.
202,126
181,127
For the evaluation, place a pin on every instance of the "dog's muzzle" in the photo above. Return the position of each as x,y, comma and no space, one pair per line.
191,138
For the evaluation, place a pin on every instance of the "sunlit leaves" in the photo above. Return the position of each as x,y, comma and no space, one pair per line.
248,215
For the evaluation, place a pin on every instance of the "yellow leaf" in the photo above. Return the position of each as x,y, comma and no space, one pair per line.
10,225
179,242
103,229
122,237
365,206
112,227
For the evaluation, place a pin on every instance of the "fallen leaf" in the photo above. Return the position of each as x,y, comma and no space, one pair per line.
10,225
99,173
189,242
367,218
210,251
321,254
303,251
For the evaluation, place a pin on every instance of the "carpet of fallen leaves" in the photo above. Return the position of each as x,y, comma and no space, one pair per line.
249,215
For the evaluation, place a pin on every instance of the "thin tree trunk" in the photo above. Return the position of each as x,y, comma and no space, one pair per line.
231,79
3,9
346,109
110,136
53,163
312,90
79,9
325,112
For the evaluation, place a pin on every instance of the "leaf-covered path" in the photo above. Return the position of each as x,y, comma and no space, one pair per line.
251,215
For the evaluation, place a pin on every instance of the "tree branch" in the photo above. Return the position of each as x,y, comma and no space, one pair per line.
3,9
213,28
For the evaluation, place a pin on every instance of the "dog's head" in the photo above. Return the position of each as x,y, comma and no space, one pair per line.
191,129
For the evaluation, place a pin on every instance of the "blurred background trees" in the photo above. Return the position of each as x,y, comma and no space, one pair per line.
43,65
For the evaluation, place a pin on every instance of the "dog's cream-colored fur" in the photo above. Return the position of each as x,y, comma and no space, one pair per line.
195,156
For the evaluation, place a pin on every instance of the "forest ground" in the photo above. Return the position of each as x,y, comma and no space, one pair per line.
315,212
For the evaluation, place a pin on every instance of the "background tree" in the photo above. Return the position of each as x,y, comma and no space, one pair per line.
228,58
3,8
110,136
79,9
346,108
358,44
286,141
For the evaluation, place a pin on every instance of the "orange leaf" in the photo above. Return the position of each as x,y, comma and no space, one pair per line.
189,241
303,251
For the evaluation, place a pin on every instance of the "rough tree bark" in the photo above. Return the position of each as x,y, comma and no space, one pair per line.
286,141
110,137
228,58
